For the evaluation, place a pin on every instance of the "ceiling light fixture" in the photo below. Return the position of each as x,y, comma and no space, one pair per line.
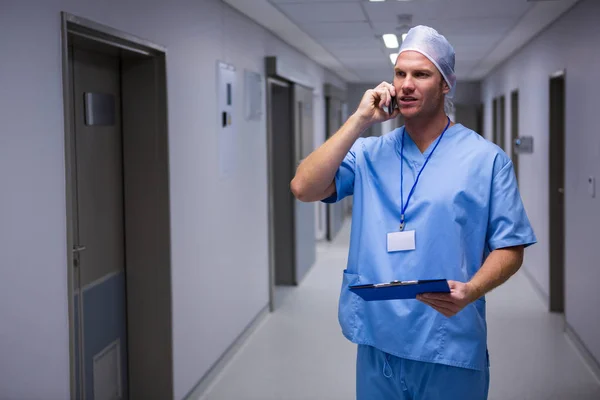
393,58
390,40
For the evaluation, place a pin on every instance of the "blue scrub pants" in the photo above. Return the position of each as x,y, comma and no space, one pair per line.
381,376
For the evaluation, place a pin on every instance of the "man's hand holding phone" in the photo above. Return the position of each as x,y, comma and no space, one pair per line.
378,105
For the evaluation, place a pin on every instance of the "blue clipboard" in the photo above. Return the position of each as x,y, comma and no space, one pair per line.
400,289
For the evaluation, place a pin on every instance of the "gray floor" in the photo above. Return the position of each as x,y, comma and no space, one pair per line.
299,353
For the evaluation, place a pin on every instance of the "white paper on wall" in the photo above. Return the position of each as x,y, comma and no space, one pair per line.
253,84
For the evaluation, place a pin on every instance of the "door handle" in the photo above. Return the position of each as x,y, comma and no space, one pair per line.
77,249
561,190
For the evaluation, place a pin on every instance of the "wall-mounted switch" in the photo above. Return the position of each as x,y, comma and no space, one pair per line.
523,145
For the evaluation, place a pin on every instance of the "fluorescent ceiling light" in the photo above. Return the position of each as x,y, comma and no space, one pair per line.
376,0
390,40
404,36
393,58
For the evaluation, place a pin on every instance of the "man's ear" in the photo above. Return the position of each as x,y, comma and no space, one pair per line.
445,87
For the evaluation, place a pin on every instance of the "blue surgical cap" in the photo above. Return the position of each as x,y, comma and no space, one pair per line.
436,48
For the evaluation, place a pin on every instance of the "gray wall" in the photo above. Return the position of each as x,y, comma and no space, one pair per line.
467,92
467,100
34,362
466,115
571,43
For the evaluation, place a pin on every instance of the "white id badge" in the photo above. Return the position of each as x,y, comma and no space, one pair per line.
400,241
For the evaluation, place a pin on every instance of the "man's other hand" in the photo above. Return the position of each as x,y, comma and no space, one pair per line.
449,304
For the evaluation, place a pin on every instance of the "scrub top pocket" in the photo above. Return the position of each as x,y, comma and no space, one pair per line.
348,306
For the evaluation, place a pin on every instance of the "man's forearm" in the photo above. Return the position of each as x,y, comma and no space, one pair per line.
317,171
500,265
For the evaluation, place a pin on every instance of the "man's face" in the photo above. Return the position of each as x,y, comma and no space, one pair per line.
420,88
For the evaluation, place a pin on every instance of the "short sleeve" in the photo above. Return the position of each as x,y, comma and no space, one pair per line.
508,224
344,177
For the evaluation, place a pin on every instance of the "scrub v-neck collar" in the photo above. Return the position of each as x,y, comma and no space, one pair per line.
411,150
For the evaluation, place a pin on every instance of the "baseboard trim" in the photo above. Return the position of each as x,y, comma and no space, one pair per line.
205,384
537,287
581,349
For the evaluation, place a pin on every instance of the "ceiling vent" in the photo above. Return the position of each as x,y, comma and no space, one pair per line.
404,22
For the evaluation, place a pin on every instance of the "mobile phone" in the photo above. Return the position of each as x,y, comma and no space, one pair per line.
393,105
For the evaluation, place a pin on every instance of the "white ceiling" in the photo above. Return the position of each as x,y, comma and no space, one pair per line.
345,35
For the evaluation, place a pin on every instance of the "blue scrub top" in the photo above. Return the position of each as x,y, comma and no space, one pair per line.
466,204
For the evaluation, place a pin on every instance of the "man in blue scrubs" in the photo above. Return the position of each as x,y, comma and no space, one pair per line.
432,200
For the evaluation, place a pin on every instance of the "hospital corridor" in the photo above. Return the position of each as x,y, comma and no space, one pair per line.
299,200
296,353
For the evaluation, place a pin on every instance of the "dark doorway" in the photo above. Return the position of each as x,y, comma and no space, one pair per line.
495,120
557,192
501,123
514,129
281,171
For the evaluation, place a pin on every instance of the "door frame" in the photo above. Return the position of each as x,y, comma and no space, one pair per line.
278,71
556,171
515,111
72,25
502,122
495,120
480,118
270,194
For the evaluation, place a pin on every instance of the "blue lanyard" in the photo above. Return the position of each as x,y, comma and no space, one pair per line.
404,207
